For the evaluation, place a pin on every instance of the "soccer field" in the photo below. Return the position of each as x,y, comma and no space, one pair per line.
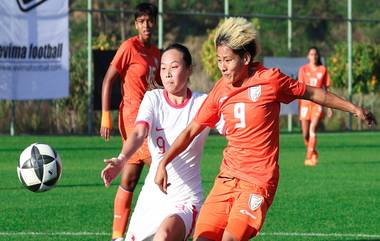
337,200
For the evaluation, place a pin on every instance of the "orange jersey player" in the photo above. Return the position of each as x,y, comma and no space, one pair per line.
316,75
248,98
137,62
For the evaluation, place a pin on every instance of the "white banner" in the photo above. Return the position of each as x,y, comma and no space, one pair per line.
34,49
290,67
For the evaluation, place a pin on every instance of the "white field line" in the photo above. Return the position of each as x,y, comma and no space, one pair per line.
341,235
53,234
294,234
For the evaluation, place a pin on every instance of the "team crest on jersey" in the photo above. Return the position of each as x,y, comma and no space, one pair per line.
319,75
254,92
255,201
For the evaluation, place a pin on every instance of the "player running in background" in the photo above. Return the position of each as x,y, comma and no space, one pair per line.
310,113
137,62
248,97
163,114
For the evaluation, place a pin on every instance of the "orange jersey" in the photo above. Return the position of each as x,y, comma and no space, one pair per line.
251,115
137,66
317,78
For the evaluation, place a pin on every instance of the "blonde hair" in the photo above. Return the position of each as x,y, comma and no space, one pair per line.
238,34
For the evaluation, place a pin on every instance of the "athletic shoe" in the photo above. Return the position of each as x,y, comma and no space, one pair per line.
118,239
314,157
310,162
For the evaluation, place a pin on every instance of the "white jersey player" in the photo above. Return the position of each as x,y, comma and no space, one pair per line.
163,114
165,121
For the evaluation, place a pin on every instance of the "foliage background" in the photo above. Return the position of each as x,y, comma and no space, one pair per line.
111,27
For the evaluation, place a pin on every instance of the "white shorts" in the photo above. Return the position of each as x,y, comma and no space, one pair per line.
146,219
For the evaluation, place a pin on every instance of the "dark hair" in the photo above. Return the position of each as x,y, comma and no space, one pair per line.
146,9
181,48
319,62
249,48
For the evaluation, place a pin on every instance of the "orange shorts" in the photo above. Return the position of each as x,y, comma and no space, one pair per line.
233,205
309,110
126,126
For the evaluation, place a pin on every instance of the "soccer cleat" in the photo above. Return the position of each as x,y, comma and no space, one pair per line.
310,162
118,239
314,157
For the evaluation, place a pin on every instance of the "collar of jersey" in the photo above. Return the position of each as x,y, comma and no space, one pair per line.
178,106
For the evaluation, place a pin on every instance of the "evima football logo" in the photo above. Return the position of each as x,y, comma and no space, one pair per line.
27,5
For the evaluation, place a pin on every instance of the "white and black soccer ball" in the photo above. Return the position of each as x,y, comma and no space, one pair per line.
39,167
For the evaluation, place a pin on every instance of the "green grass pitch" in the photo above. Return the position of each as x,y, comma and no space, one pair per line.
337,200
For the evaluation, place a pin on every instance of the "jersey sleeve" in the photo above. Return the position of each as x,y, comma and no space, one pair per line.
146,111
122,58
207,114
288,89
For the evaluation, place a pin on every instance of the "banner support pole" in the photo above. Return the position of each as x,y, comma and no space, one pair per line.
89,67
13,118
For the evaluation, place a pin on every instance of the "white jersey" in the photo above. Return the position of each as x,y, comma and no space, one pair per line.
166,121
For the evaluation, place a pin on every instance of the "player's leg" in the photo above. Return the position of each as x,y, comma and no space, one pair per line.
312,153
171,229
305,125
305,131
304,119
178,223
227,236
213,216
248,212
123,198
129,179
316,115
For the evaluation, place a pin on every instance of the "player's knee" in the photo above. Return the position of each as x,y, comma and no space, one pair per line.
161,235
130,178
129,182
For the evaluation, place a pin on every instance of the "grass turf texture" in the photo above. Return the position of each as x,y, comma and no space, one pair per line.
337,200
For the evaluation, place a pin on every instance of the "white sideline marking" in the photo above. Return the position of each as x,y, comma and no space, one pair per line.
342,235
53,234
346,235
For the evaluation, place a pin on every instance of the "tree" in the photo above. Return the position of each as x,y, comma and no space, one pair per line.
365,70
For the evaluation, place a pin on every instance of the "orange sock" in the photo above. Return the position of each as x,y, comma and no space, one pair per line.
306,142
122,208
311,146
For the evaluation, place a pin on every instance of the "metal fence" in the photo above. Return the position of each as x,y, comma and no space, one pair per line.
189,22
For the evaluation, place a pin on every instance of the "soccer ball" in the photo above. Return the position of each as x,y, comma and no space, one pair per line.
39,167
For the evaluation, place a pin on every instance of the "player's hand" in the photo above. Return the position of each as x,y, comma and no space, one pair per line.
106,125
365,115
329,112
105,133
161,178
112,170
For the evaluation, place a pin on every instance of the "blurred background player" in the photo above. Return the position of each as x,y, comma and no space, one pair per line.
137,62
163,114
310,113
248,97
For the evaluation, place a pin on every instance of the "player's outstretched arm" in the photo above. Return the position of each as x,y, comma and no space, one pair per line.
106,122
116,164
328,99
179,145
